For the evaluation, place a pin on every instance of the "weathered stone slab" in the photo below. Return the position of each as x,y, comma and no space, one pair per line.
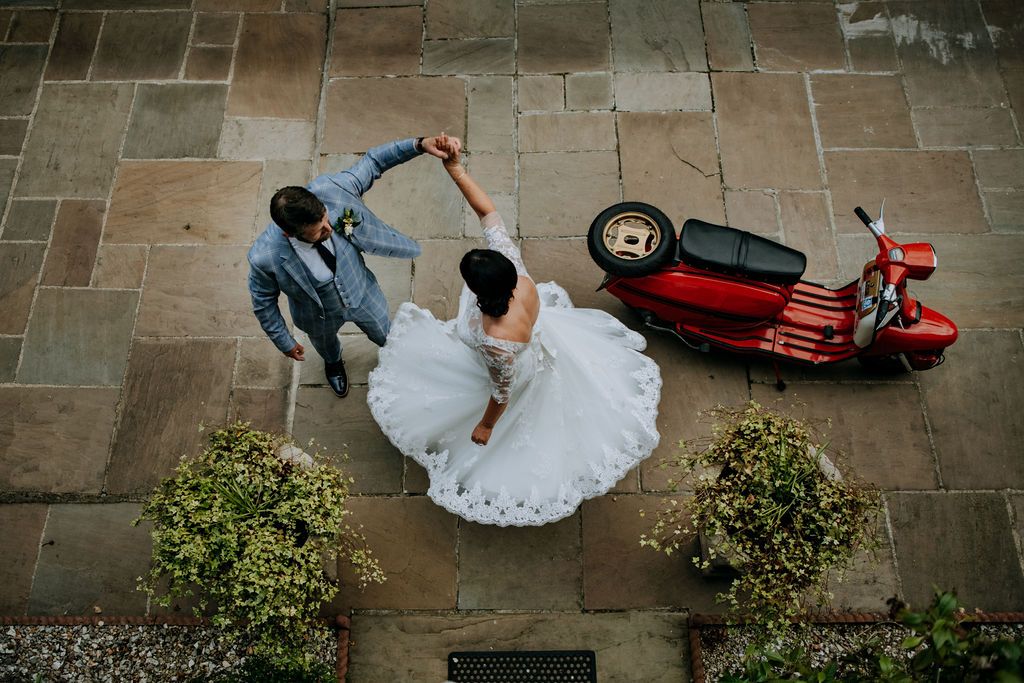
120,266
267,139
265,409
419,199
753,211
974,401
728,36
208,63
10,351
262,366
19,272
927,192
782,155
544,46
560,192
1006,210
473,56
617,574
869,424
271,78
862,111
30,220
76,237
414,540
12,137
796,37
174,120
215,29
365,112
74,46
948,127
238,5
7,169
505,204
567,132
662,92
73,147
494,172
360,356
497,566
197,291
23,529
20,69
437,283
869,38
377,42
394,277
869,581
587,91
122,56
124,4
656,35
36,457
946,53
171,389
670,160
631,646
491,114
345,426
278,174
75,574
78,336
999,168
183,202
807,228
541,93
1002,18
31,26
482,19
976,534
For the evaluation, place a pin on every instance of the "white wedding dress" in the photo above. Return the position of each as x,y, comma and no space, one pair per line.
582,402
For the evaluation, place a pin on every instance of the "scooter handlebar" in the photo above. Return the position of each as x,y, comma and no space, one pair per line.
863,216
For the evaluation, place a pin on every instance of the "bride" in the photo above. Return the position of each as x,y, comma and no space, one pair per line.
523,406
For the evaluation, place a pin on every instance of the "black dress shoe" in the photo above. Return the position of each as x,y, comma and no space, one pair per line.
337,378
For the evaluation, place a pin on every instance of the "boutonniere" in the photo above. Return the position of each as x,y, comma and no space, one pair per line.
347,223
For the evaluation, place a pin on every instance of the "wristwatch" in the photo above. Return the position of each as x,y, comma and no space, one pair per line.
418,145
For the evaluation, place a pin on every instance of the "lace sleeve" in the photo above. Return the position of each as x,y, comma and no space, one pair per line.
501,366
498,240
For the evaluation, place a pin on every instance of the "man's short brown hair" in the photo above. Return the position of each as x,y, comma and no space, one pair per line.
292,208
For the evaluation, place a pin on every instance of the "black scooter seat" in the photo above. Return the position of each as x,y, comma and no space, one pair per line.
717,247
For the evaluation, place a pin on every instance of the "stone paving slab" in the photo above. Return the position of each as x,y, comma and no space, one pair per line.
796,37
631,646
74,46
121,56
23,529
656,35
76,239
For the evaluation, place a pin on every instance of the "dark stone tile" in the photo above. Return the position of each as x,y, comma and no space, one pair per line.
545,46
20,69
481,19
238,5
73,49
123,56
31,26
76,573
19,545
271,78
12,137
976,557
209,63
76,238
305,6
30,220
266,409
10,350
173,120
345,426
869,36
78,336
869,581
7,168
1003,20
949,127
55,440
414,541
618,574
126,4
498,566
19,272
72,149
171,389
261,365
796,37
215,29
473,56
974,402
656,35
5,22
377,41
999,168
728,36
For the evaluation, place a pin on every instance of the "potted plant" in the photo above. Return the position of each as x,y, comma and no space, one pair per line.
248,525
772,505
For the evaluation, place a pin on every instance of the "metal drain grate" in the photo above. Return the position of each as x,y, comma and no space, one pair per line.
577,666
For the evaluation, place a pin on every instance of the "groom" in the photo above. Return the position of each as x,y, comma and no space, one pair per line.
313,253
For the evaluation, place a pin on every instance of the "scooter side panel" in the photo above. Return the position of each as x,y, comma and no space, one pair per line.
933,331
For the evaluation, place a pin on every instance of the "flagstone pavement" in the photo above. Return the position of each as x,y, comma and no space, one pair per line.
140,141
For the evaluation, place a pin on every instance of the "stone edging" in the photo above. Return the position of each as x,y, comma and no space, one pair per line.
697,621
342,622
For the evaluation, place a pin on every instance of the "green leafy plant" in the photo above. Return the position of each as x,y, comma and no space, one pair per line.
248,533
773,507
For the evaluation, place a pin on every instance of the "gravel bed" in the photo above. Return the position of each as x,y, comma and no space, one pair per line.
124,653
722,648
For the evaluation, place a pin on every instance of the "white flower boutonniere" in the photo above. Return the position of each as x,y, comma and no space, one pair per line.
347,223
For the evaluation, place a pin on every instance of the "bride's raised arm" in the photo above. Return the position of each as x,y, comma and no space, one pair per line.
474,194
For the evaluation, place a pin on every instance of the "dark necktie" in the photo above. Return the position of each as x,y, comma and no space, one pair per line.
326,255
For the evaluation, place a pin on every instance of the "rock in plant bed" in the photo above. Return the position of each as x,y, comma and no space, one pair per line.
120,649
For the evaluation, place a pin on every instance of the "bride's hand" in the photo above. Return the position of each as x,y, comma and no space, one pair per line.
481,435
451,147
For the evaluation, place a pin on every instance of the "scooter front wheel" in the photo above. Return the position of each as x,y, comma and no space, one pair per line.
631,239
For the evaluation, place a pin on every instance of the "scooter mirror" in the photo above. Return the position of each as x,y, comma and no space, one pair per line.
880,223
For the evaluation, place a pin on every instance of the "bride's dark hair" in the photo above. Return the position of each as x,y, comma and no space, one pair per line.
492,277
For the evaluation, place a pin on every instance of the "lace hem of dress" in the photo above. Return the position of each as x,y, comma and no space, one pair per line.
504,509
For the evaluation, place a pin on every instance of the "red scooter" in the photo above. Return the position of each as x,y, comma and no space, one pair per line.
722,287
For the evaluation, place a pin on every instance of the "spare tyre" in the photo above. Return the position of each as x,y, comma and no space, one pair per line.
631,239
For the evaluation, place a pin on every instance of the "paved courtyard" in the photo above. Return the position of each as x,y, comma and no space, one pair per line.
140,141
